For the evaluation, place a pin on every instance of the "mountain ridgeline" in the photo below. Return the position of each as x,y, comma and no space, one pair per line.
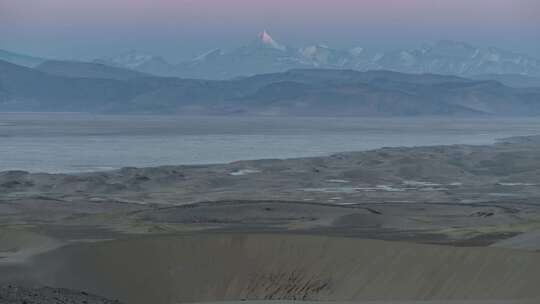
266,55
88,87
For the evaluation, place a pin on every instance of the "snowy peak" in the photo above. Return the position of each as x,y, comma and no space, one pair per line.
214,54
142,62
321,55
357,51
131,59
266,55
208,54
267,40
312,50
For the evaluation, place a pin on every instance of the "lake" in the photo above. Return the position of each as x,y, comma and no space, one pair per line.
74,142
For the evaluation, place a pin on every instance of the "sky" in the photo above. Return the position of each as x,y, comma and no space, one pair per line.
179,29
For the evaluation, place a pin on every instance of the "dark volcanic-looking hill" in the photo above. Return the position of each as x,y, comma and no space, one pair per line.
296,92
26,89
512,80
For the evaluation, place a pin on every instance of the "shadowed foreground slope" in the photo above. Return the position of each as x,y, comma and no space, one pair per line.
208,267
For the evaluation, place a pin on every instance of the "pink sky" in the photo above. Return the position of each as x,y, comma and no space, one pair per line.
25,20
56,12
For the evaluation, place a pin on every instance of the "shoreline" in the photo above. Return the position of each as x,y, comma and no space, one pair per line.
92,144
496,141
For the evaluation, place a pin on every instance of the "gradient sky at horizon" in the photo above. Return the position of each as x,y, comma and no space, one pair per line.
178,29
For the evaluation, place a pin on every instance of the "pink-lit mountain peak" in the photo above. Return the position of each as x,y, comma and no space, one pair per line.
266,39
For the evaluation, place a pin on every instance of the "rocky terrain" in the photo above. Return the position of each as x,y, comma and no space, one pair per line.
11,294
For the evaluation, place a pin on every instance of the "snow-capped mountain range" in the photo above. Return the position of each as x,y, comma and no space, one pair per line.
267,55
141,62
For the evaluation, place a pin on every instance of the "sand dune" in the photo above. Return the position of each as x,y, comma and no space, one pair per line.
208,267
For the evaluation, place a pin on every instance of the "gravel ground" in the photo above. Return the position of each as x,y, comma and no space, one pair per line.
12,294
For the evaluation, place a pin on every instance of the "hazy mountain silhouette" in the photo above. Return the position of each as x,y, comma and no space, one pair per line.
296,92
86,70
267,55
20,59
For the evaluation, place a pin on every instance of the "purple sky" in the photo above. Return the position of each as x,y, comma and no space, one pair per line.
181,28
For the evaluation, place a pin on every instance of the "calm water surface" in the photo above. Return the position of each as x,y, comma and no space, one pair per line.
71,142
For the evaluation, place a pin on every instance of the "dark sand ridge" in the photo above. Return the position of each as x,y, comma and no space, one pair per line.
213,267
